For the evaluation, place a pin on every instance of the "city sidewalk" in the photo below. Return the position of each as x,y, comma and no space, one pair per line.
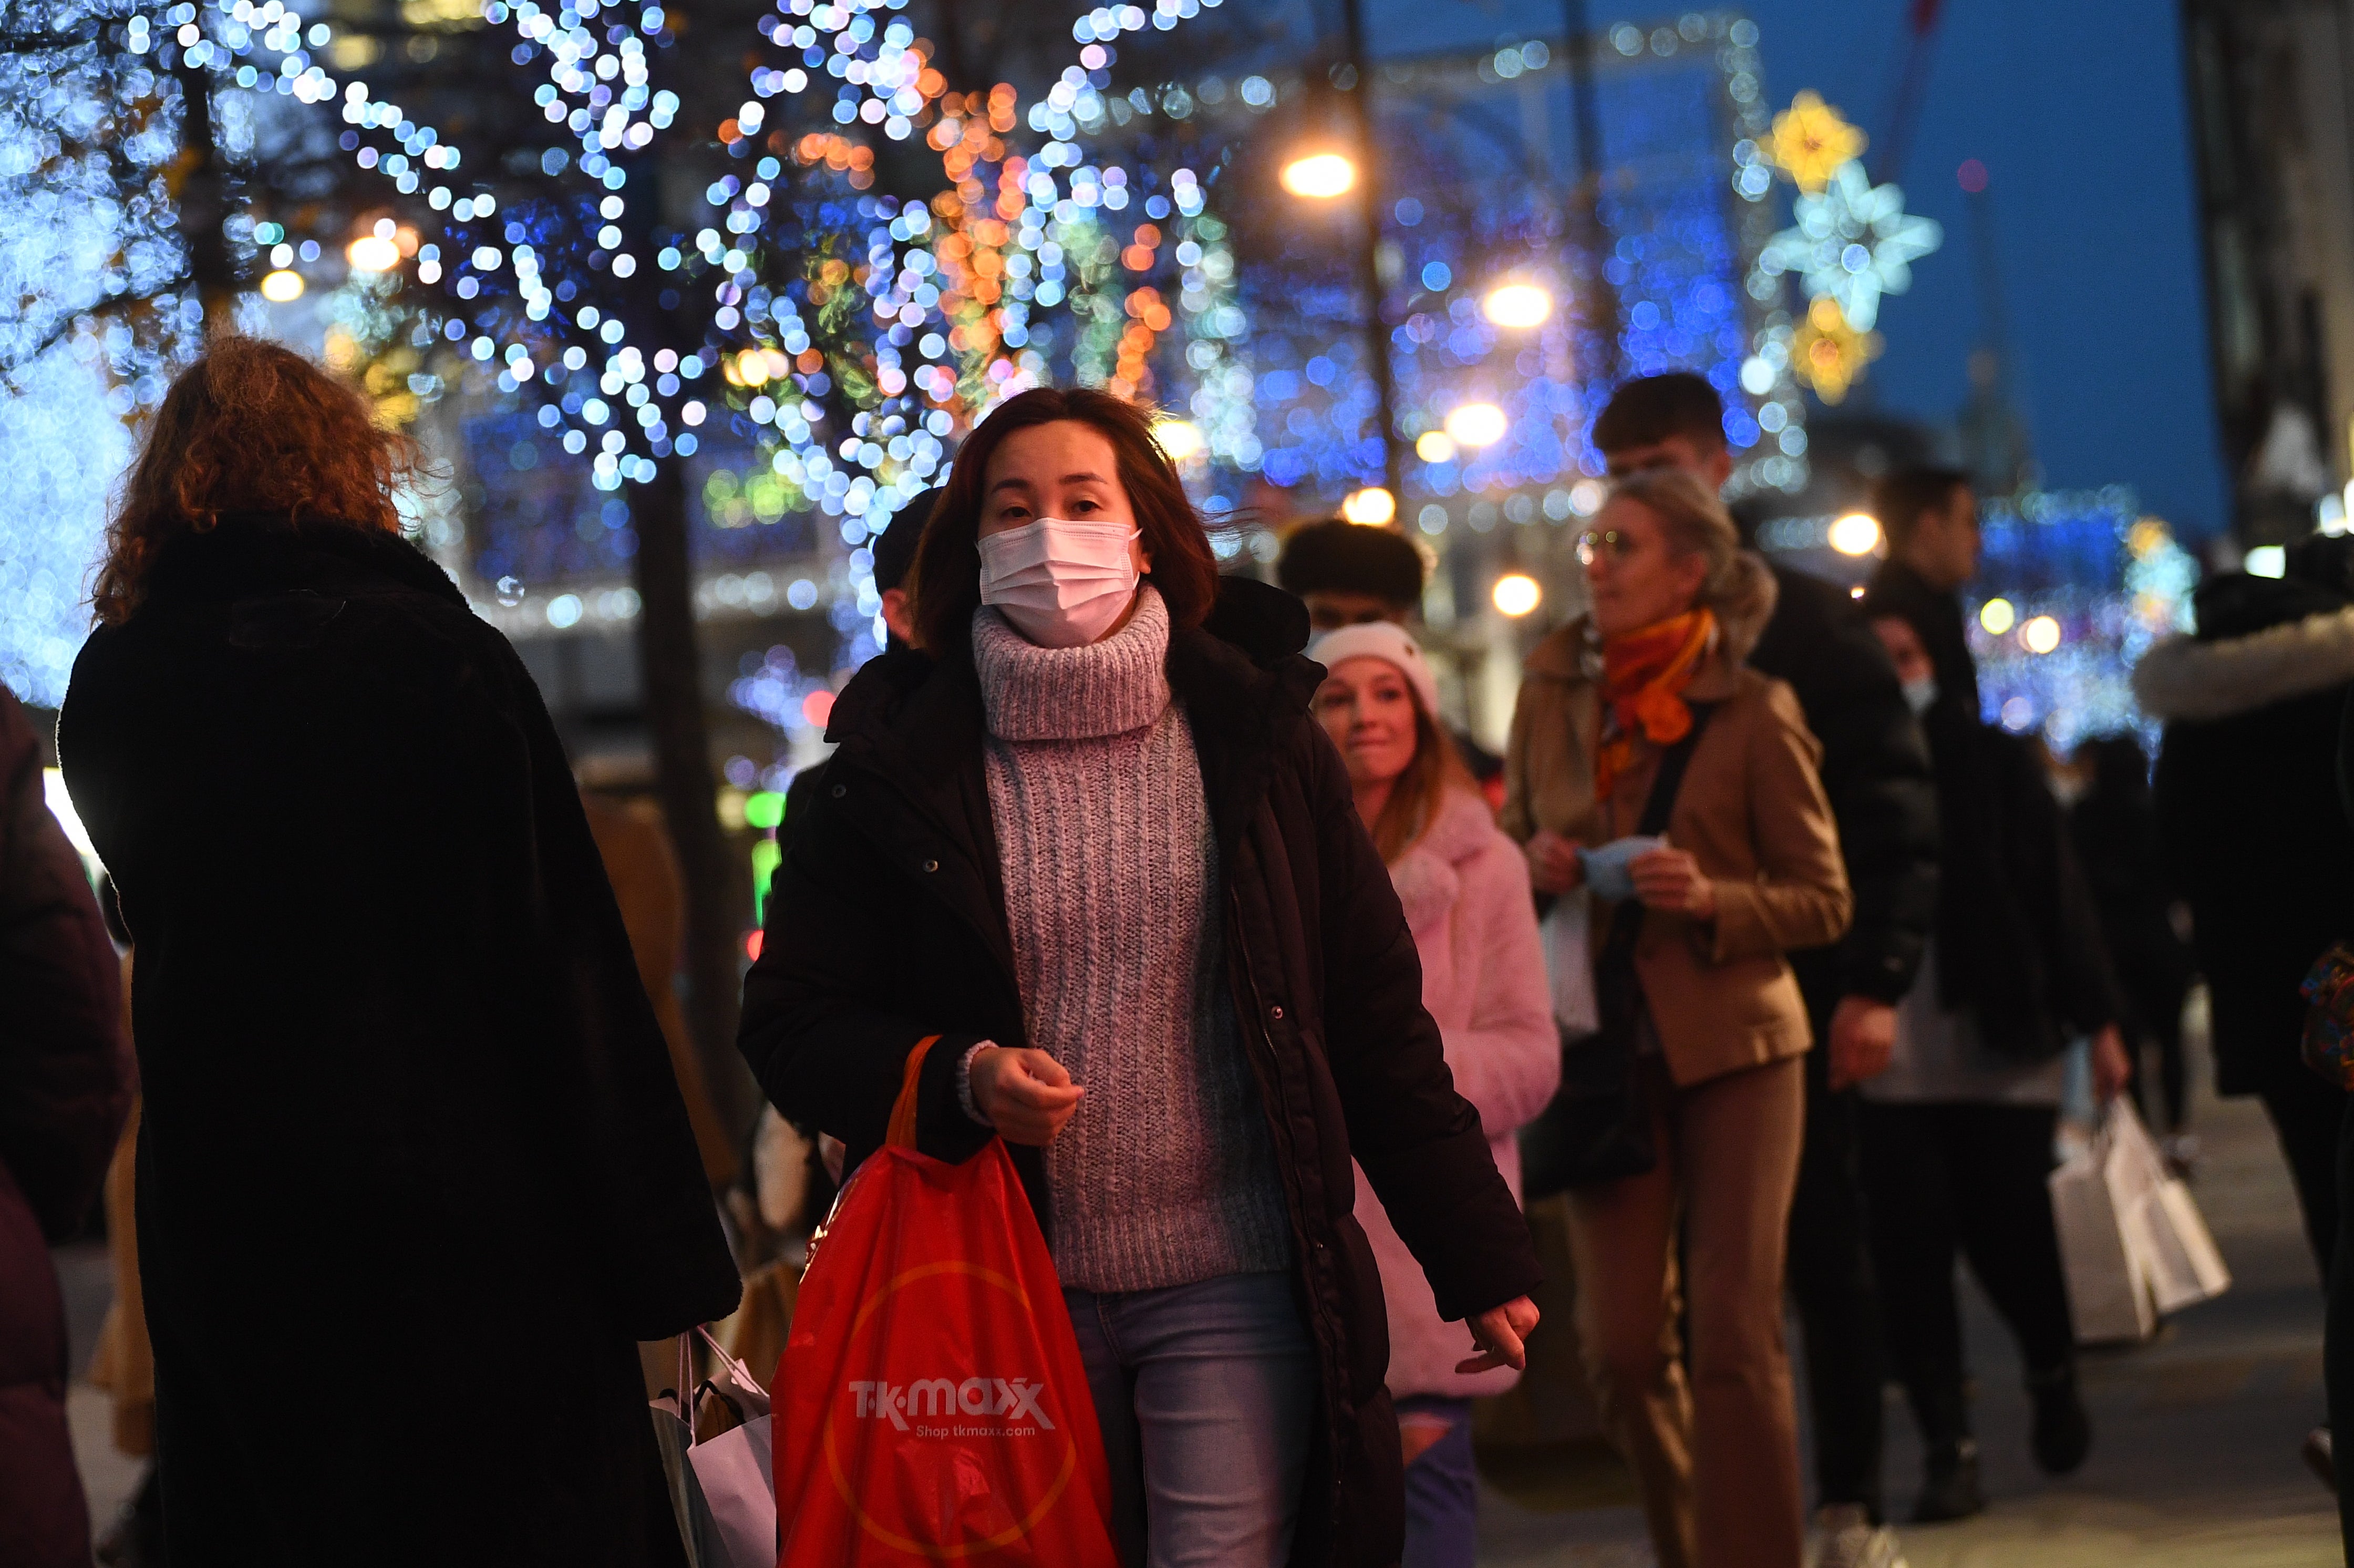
2195,1460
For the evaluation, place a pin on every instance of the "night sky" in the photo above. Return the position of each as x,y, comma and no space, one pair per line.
2079,114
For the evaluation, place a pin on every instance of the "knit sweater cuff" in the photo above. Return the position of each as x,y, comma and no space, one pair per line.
964,1083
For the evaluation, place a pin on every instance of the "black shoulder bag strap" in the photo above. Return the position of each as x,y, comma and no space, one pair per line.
1597,1127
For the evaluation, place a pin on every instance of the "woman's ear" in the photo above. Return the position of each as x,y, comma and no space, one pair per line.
1143,557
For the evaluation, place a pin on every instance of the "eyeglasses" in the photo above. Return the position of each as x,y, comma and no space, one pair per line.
1595,540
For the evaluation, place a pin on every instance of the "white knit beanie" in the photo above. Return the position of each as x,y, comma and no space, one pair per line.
1387,641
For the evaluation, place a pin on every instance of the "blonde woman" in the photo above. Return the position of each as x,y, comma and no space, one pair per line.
1465,890
1735,865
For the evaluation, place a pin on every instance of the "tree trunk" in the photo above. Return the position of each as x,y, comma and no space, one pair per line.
718,891
199,189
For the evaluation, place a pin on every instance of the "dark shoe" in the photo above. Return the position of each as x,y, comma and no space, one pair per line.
2064,1433
1951,1490
2321,1457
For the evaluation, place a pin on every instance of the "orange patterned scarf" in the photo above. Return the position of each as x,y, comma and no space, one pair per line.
1644,674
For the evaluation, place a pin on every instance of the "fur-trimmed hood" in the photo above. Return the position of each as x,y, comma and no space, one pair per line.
2185,678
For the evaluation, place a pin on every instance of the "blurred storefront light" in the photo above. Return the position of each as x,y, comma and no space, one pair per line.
1517,593
1320,176
1181,439
1998,617
1435,446
372,253
1857,533
281,286
1517,305
2041,635
1373,506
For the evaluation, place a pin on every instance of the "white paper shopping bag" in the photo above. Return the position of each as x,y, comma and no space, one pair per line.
1569,964
2105,1294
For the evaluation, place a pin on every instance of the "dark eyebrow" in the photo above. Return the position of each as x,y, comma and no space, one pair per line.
1079,477
1010,482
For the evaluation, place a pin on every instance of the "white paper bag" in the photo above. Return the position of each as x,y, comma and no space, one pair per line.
2131,1238
2105,1296
736,1476
1569,964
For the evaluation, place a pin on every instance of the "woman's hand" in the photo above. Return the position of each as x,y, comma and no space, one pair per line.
1552,862
1027,1095
1499,1335
2112,1068
1667,878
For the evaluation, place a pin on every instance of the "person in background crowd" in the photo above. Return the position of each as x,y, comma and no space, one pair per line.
1126,888
403,1092
66,1083
1352,574
1465,890
1959,1131
2246,789
1875,771
2112,823
1929,517
1749,870
1348,573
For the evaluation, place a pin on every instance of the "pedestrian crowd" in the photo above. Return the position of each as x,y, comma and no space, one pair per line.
1750,973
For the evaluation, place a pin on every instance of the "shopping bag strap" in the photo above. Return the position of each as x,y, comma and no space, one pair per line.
901,1133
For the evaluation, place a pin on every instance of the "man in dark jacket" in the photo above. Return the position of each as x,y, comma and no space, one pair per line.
2248,817
1876,772
1323,972
64,1087
406,1104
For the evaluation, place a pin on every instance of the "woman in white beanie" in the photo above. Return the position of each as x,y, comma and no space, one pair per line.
1465,889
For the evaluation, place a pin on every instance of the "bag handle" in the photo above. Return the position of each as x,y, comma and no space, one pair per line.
901,1133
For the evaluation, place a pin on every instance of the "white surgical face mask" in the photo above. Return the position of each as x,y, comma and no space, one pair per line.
1061,584
1921,695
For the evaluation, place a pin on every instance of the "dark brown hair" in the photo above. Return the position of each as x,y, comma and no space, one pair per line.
251,426
1900,499
1653,408
946,580
1337,557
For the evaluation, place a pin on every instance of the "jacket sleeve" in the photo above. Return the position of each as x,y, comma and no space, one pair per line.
1883,796
818,1028
1517,818
1799,898
1418,1141
1507,1062
64,1069
610,1124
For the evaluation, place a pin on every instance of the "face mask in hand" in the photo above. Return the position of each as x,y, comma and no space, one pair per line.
1921,695
1061,584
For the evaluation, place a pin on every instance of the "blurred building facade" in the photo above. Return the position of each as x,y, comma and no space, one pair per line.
2270,86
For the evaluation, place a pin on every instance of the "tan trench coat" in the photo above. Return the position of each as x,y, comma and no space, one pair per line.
1752,810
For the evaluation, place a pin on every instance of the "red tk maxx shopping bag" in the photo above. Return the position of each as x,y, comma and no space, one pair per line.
933,1407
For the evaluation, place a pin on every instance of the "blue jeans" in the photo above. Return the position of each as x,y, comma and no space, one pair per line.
1207,1393
1442,1488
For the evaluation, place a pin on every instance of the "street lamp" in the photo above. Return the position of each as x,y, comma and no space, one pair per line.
1374,506
1517,593
1318,176
1179,439
1517,305
1475,425
281,286
372,253
1857,533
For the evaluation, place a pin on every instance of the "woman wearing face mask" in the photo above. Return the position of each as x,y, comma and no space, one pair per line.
1957,1131
1090,837
1465,893
1747,869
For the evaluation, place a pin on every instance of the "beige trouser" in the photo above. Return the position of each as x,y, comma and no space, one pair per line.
1717,1463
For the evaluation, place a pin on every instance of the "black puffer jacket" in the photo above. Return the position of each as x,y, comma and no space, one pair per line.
1876,772
406,1106
886,923
2248,812
64,1087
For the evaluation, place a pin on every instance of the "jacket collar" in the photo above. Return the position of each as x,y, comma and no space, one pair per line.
246,554
1427,876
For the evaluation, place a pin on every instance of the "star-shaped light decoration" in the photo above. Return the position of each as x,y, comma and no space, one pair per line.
1810,142
1829,354
1853,242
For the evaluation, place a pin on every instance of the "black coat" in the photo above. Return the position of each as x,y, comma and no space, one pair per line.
413,1170
1876,773
64,1087
2247,804
886,923
2114,829
2019,938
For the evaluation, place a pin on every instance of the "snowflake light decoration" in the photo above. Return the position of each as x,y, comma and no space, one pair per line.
1852,242
1810,142
1827,354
